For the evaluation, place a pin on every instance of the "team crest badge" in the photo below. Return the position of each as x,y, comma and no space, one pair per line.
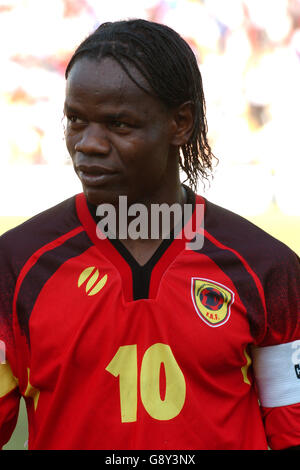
212,301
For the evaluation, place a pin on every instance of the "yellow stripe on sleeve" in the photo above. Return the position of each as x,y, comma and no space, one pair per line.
7,380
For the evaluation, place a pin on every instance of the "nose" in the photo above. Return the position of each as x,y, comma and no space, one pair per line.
93,141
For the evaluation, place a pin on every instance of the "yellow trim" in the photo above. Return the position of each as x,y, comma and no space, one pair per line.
32,392
7,380
245,368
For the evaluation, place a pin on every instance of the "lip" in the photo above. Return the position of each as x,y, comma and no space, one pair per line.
95,175
94,169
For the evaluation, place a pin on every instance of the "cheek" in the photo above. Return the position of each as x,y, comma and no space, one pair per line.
149,166
147,149
141,157
70,143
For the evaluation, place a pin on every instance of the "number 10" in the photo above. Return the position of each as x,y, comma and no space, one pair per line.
124,365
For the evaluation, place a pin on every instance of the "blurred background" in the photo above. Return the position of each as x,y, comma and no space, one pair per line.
249,56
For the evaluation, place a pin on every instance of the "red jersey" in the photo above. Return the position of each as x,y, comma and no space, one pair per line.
197,349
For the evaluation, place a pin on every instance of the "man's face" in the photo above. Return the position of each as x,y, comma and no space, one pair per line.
118,136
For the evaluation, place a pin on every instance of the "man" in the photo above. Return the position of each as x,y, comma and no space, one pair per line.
127,342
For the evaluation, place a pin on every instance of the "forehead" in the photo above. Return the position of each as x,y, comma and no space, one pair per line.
98,81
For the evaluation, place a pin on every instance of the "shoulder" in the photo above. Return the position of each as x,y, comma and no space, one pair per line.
19,243
265,270
260,249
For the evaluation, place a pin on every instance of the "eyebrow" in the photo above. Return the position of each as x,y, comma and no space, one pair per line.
68,109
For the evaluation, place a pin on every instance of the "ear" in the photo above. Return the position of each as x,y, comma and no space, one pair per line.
183,123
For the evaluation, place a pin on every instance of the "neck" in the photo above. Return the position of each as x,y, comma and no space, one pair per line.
143,220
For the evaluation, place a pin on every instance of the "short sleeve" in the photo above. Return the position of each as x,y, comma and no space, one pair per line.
276,360
9,394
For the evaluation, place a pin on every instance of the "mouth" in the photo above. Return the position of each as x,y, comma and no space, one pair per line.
94,176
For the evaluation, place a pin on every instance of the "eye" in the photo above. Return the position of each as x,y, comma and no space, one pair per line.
119,124
120,127
74,119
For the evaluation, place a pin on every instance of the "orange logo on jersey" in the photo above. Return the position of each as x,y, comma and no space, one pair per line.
212,301
93,285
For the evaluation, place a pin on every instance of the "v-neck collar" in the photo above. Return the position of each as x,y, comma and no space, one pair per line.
139,281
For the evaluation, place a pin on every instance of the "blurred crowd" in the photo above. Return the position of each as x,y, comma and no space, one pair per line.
248,53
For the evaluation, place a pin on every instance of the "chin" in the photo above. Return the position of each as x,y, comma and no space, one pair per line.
98,196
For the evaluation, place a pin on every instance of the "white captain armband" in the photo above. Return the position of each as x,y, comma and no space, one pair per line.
277,374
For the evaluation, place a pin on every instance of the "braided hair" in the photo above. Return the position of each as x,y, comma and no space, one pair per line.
169,66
